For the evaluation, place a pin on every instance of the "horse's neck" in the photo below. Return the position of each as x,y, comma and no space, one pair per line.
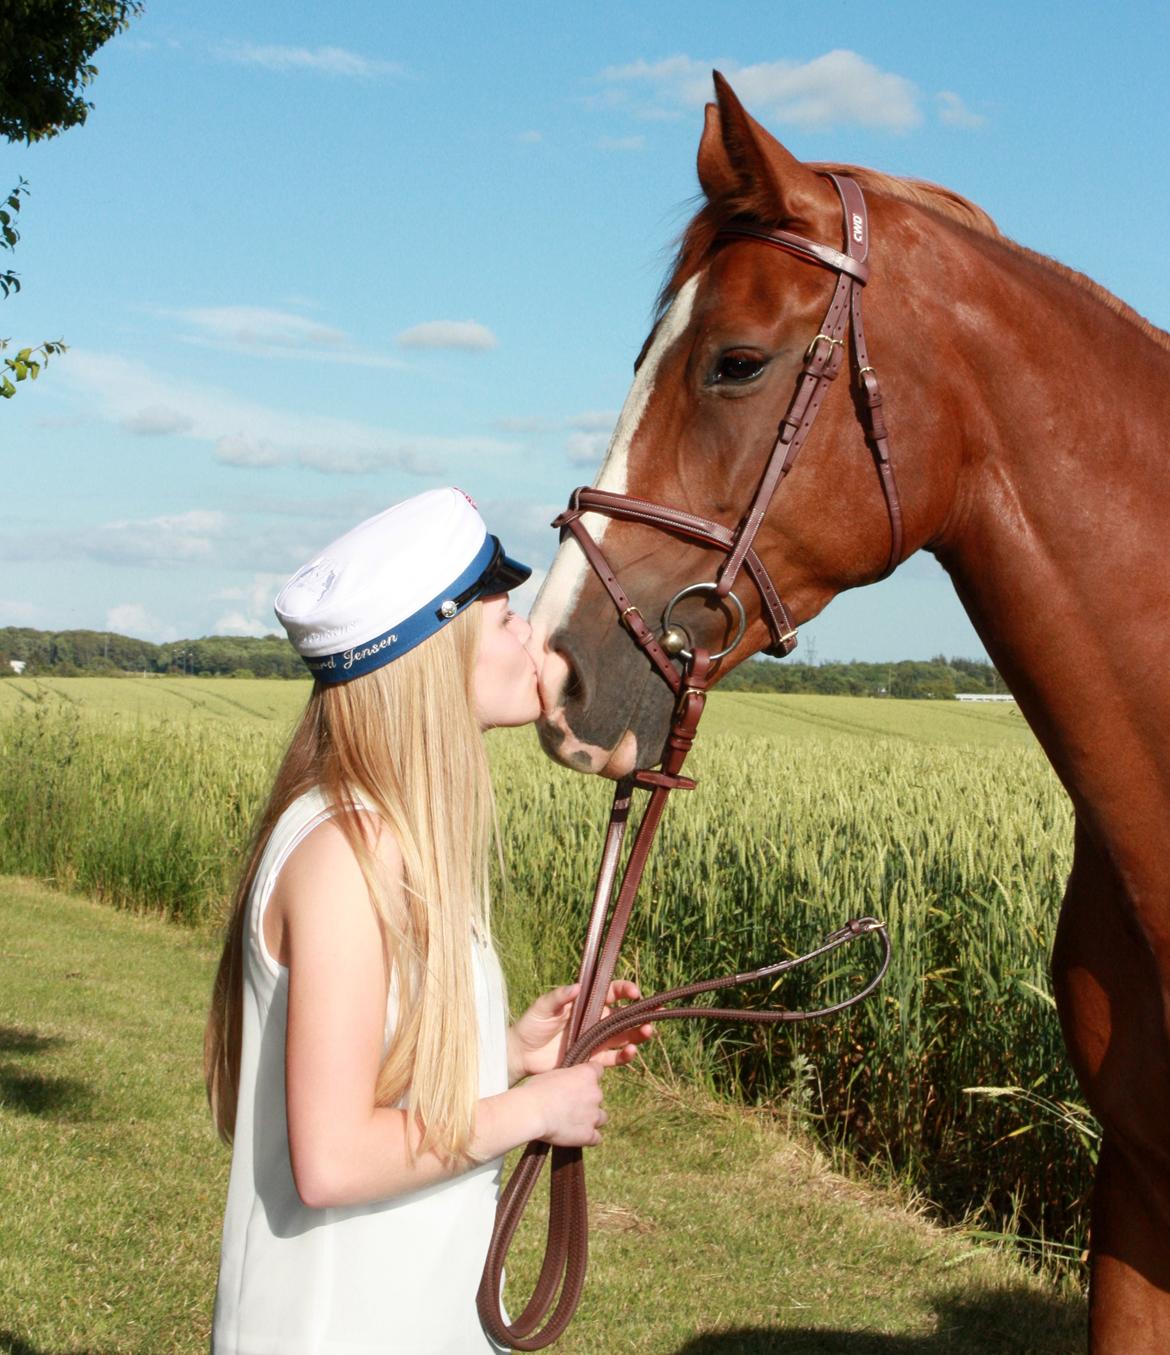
1057,539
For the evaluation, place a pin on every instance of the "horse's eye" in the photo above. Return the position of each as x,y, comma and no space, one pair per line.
739,367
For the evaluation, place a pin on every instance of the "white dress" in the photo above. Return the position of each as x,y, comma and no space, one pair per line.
397,1276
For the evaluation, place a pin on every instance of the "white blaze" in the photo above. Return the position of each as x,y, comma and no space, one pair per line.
565,577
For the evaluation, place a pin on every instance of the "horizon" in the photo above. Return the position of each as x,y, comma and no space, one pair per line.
807,661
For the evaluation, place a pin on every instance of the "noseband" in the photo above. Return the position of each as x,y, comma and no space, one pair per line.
566,1250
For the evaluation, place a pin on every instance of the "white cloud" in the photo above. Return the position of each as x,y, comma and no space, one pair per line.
586,449
243,451
524,423
254,615
954,112
588,432
171,539
621,143
198,536
257,597
262,332
157,421
19,612
677,77
236,623
589,421
408,457
245,433
257,327
469,335
132,618
593,421
245,541
321,60
835,89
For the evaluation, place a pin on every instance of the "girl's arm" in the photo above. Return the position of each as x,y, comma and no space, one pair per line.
345,1150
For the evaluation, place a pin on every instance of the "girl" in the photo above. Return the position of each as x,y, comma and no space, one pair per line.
356,1053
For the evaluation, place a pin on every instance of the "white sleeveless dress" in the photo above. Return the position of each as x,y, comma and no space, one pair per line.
398,1276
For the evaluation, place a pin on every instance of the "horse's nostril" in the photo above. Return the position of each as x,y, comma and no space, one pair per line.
574,685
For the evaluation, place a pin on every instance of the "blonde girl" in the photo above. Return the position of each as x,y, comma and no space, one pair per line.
357,1053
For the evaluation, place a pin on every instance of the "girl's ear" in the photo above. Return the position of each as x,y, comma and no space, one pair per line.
741,162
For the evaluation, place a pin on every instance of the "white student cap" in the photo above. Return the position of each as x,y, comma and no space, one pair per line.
384,587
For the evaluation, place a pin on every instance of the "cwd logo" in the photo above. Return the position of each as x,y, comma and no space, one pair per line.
858,229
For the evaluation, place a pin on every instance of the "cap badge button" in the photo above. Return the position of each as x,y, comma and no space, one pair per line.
447,609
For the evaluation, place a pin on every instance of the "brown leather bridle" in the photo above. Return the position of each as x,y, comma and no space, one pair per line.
566,1250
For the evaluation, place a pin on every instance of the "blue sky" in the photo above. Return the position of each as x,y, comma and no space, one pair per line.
312,259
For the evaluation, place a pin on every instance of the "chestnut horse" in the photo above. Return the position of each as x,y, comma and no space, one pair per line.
1028,413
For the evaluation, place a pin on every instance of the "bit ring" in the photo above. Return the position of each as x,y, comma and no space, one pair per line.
689,591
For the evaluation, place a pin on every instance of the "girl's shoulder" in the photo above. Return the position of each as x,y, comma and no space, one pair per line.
315,822
322,863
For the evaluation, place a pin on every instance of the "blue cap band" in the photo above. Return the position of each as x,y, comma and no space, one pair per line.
391,644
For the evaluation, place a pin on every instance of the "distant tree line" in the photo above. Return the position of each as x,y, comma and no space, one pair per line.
70,653
939,678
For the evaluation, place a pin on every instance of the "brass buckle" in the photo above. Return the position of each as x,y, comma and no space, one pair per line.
811,349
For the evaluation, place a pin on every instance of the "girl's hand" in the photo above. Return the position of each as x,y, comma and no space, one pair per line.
567,1104
536,1043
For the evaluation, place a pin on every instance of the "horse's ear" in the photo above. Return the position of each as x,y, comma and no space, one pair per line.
717,175
740,159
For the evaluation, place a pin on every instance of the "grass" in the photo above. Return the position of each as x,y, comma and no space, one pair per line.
943,819
715,1233
950,724
110,1173
268,702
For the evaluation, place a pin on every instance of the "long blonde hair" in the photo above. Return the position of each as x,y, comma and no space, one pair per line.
404,741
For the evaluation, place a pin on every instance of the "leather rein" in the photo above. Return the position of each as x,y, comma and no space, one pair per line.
566,1251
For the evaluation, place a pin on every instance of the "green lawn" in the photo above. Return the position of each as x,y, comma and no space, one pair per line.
715,1233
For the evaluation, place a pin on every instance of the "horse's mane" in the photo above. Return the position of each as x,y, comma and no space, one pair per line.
713,217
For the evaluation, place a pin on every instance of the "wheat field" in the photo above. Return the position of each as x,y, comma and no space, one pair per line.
941,818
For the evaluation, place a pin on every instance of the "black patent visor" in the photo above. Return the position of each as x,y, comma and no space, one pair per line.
501,576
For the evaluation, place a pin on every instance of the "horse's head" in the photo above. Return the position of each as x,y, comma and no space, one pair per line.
714,379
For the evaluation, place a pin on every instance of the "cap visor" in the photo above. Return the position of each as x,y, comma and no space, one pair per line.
503,576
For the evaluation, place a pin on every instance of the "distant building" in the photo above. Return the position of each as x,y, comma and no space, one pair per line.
17,665
984,696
